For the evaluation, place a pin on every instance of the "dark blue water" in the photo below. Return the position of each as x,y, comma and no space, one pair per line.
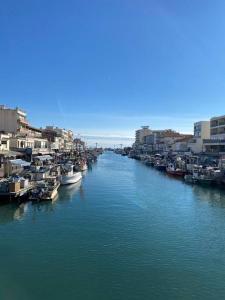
127,232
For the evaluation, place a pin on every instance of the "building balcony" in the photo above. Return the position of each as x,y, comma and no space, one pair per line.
217,125
23,121
214,141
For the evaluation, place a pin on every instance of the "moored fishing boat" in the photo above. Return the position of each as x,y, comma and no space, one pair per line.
172,170
14,188
45,191
160,165
189,178
68,176
150,161
204,180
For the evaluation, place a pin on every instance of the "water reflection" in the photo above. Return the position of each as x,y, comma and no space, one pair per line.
67,193
12,211
21,210
46,207
84,173
16,212
212,195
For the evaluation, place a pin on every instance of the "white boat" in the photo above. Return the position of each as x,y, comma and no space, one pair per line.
69,176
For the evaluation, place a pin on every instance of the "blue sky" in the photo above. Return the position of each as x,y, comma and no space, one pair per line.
106,67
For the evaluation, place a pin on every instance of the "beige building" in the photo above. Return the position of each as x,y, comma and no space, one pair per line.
59,138
141,134
15,121
201,132
202,129
38,145
12,120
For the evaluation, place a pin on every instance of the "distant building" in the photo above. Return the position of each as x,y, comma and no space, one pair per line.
182,144
162,140
141,134
59,138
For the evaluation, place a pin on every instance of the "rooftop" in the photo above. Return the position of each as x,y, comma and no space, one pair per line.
19,110
217,118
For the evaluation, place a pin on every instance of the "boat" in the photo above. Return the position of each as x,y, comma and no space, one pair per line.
45,191
149,163
208,176
14,188
172,170
68,176
204,180
159,165
189,178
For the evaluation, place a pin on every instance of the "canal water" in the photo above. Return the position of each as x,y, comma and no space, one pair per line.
126,232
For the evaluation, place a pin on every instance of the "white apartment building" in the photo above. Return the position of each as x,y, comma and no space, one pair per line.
217,128
216,143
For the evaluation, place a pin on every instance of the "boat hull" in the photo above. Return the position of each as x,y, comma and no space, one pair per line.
176,173
70,179
160,167
205,182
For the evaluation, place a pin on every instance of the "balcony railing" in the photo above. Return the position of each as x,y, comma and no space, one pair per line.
214,141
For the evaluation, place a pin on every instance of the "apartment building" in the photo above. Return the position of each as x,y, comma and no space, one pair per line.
14,121
59,138
162,140
34,145
216,143
201,132
141,134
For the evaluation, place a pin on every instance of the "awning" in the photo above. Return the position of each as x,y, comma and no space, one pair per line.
10,153
20,162
43,157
